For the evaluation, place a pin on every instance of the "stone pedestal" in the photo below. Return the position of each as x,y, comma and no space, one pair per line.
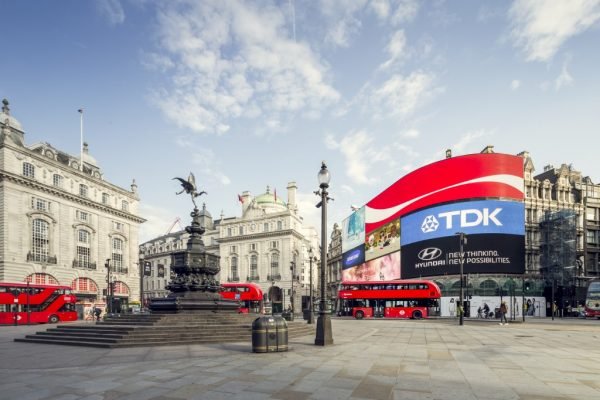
194,288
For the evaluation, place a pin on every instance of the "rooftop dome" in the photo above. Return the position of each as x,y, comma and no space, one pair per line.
6,117
204,212
269,198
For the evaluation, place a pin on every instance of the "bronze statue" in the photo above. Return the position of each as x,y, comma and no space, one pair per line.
189,186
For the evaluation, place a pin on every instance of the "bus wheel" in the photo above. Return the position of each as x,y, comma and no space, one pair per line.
417,314
359,315
53,319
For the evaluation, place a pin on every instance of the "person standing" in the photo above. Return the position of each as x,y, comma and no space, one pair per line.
503,311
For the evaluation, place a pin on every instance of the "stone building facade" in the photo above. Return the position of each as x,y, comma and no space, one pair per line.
60,220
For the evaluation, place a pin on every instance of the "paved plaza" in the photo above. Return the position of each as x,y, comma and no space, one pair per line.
371,359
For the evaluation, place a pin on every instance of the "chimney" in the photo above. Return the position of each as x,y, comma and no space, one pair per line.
291,188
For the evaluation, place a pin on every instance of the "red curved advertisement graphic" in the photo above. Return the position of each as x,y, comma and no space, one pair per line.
466,177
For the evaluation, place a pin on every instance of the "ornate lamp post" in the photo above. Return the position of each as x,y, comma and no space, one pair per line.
324,333
311,258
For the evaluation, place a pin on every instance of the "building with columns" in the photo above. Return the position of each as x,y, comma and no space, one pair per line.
61,221
267,244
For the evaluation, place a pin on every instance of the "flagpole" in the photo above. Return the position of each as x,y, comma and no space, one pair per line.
81,138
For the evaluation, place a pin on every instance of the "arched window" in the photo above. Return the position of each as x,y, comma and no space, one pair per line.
254,266
117,254
234,269
28,170
274,265
83,249
41,279
40,241
84,285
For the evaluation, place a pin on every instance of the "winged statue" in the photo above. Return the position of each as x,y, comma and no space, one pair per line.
189,187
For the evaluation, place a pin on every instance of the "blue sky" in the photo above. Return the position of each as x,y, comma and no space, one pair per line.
247,94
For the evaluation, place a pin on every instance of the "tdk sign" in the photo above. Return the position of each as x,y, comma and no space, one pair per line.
462,219
471,217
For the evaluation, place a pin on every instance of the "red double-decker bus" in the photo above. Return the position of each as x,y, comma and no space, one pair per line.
250,296
22,303
390,299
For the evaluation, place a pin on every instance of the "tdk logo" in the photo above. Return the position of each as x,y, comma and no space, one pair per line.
463,219
430,224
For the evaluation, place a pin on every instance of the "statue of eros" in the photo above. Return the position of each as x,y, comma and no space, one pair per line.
189,186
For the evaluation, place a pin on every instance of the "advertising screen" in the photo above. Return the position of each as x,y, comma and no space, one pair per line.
383,240
380,269
483,253
353,257
458,178
469,217
353,230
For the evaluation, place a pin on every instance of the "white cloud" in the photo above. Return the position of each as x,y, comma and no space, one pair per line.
112,10
467,141
208,165
405,11
235,59
515,84
362,154
411,134
401,96
158,220
564,79
540,27
395,49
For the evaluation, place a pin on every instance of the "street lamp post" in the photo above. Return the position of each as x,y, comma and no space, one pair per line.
272,293
463,241
108,287
311,318
292,268
324,333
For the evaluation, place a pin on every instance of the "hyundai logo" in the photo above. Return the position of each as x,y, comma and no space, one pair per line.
430,224
429,254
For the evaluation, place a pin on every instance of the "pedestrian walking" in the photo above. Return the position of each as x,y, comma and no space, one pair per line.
503,311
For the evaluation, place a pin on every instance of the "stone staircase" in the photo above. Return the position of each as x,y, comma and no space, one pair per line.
146,330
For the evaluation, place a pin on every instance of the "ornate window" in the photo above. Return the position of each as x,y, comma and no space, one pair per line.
57,180
279,225
28,170
83,216
40,204
234,269
241,230
83,190
105,198
253,266
274,265
117,253
83,249
40,240
124,205
266,227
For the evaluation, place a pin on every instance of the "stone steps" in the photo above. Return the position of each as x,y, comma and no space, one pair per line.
161,330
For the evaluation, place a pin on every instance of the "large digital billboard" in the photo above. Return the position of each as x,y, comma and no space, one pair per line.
469,217
380,269
383,240
353,230
484,253
458,178
480,195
